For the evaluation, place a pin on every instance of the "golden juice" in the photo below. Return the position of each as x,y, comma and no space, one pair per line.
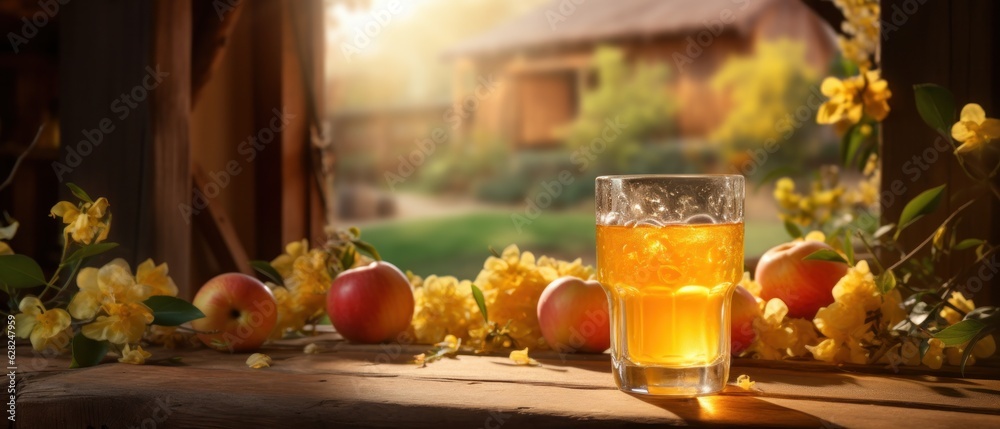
668,285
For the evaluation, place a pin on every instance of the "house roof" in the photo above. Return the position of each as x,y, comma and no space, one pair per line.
556,23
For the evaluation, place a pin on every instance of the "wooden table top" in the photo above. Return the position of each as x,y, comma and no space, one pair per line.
376,386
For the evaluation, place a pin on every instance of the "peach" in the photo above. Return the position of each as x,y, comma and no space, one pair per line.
573,316
804,285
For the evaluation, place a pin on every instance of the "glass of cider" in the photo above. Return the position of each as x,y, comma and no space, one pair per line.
669,255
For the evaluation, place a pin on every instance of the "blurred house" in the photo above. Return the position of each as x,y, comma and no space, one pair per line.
543,57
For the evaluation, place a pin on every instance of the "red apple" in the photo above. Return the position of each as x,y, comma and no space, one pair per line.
573,316
371,303
804,286
240,313
743,312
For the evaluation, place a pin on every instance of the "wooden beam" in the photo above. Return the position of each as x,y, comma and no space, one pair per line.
219,233
170,124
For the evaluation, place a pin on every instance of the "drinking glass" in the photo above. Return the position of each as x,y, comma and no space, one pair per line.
669,256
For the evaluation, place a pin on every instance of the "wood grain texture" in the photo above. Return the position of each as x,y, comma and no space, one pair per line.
170,115
376,386
953,44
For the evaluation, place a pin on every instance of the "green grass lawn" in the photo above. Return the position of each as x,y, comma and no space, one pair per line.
458,245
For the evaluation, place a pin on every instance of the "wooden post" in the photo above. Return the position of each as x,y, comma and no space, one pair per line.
956,45
170,116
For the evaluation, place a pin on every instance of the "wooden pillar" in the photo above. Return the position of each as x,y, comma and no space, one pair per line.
955,44
267,70
284,173
170,126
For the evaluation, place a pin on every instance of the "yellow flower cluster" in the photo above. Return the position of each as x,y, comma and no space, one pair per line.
953,355
778,336
87,222
111,301
511,286
443,306
817,207
853,97
307,279
861,26
855,327
828,198
852,324
974,129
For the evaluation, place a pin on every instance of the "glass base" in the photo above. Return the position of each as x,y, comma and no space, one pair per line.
664,381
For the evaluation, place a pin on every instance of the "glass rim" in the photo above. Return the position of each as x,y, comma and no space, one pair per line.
666,176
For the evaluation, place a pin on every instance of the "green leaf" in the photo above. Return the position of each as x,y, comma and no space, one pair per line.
79,192
850,144
481,302
172,311
960,333
793,230
87,352
90,250
494,252
848,247
883,230
886,282
972,344
367,248
919,206
348,258
268,271
825,255
936,106
969,243
20,271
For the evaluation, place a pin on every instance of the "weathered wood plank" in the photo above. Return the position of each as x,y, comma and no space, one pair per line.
376,386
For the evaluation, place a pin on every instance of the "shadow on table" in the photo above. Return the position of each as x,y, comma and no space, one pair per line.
793,377
736,410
